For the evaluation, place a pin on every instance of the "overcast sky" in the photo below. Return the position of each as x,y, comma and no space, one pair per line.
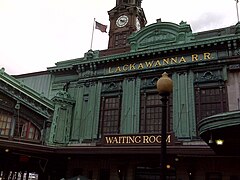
35,34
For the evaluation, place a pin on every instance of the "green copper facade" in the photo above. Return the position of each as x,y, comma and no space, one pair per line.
184,107
157,48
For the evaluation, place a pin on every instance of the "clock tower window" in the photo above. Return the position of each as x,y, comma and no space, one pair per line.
120,39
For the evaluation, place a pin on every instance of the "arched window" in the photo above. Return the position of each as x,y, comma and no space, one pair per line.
26,130
18,123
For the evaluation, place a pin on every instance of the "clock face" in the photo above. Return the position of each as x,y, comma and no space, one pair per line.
122,21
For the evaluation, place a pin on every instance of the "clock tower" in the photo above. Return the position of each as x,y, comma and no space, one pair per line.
125,18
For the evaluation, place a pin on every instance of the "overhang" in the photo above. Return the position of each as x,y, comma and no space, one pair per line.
93,149
225,128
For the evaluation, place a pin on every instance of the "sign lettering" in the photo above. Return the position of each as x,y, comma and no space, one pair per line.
177,60
138,139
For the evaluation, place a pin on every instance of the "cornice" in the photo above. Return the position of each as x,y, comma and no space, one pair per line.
148,51
25,95
163,50
63,97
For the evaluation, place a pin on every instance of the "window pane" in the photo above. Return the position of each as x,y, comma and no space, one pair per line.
5,123
210,101
151,113
31,132
110,115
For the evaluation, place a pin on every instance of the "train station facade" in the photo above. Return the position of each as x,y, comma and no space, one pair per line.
99,116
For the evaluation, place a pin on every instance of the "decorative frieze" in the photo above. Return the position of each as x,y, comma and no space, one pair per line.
112,86
149,83
208,76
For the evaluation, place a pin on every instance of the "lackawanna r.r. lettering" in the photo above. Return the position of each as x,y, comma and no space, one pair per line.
162,62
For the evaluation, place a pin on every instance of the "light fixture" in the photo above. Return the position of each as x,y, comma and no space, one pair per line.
210,141
219,141
6,150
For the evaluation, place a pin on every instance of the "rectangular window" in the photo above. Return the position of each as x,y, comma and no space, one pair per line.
121,39
151,113
110,115
210,101
5,123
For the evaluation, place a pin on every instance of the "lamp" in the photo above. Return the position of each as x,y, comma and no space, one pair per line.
6,150
219,141
164,87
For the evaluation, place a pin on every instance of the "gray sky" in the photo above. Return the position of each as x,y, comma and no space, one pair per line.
35,34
